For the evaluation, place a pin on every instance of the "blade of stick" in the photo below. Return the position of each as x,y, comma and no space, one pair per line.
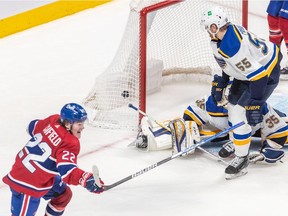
95,172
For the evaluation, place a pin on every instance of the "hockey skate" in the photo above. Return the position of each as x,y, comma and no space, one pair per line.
227,150
255,157
238,167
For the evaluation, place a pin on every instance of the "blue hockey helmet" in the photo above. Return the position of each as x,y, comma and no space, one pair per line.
73,112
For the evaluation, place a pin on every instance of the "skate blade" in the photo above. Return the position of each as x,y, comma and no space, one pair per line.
233,176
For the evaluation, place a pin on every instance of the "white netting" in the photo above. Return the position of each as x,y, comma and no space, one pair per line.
175,45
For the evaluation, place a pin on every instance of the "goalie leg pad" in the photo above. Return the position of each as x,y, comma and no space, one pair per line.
178,135
184,134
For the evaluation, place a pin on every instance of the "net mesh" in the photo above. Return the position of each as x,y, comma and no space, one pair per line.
176,45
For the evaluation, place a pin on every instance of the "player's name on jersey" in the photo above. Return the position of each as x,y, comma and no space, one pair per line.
53,136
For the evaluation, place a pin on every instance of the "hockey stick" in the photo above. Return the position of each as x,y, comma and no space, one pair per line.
187,150
213,155
149,117
168,129
95,172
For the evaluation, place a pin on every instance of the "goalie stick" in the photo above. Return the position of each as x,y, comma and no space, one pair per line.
213,155
187,150
168,129
149,117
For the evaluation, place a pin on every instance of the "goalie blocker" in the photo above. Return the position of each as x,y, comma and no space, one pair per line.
181,134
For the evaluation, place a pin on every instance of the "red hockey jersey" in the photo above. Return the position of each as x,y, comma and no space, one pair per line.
51,151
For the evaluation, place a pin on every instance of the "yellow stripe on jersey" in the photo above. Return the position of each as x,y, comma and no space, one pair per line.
194,117
237,33
260,75
209,133
278,135
274,62
242,142
270,66
223,54
217,114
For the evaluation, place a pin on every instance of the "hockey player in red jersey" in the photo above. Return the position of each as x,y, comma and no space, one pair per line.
278,25
48,164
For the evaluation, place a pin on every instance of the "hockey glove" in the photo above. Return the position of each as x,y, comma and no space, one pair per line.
87,181
254,112
218,87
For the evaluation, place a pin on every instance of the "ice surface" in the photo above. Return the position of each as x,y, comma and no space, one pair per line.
50,65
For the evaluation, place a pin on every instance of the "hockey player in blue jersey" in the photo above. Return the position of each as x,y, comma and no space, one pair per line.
255,66
273,130
204,119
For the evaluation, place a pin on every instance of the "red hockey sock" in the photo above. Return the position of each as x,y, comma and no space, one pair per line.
275,34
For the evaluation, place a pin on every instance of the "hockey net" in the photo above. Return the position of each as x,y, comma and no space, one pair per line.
161,39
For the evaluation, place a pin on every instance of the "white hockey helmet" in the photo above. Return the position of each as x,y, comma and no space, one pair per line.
215,15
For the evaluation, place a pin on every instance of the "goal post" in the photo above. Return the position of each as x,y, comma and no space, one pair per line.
143,48
162,38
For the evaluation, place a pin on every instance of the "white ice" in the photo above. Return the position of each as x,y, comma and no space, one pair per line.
47,66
